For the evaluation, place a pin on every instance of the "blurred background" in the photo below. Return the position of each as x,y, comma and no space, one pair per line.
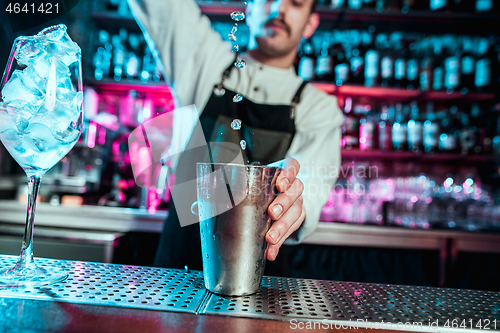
417,201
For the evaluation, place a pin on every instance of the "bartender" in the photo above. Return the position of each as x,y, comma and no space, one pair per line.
284,117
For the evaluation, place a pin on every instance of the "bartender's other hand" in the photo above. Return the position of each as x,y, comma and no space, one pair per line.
286,209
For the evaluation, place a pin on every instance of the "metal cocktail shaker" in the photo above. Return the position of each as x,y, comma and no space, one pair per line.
232,207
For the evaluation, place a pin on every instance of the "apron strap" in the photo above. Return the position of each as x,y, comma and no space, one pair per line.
296,99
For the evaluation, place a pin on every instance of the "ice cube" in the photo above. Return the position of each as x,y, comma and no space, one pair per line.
42,137
32,80
70,133
58,43
15,89
29,50
6,120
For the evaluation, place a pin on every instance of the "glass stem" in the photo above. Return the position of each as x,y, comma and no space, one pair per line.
26,258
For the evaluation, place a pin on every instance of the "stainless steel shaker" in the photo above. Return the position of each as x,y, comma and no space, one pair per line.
232,206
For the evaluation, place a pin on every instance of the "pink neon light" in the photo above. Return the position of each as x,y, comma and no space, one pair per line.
91,135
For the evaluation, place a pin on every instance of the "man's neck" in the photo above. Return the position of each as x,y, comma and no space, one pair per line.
280,62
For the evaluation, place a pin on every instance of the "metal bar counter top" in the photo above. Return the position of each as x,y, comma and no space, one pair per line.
122,220
99,297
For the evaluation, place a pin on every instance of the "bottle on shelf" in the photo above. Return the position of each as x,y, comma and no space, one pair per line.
133,63
466,6
412,67
483,77
467,64
324,61
452,68
367,129
355,4
357,64
369,3
386,62
372,58
414,129
468,135
351,123
399,130
484,6
438,5
450,132
438,71
430,130
426,70
400,64
306,64
341,64
384,128
338,3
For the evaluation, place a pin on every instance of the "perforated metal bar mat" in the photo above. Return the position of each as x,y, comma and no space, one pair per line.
117,285
364,305
336,303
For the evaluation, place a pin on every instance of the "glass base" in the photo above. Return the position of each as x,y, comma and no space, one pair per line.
30,276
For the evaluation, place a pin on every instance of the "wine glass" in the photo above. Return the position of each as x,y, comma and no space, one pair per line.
41,119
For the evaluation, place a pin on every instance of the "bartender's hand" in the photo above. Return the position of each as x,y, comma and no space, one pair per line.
286,209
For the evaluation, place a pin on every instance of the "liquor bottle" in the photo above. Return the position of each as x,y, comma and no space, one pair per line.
355,4
306,64
412,68
425,75
430,130
338,3
341,64
400,65
414,129
452,69
484,6
118,57
372,58
468,134
324,62
438,5
386,62
357,66
367,130
482,77
462,6
467,64
369,3
408,5
438,72
384,128
133,63
399,130
448,140
351,135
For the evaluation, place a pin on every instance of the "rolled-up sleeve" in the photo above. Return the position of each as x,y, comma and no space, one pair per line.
192,54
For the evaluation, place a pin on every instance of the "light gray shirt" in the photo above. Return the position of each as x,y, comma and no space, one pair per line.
194,57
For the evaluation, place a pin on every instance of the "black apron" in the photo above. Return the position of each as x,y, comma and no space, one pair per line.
268,131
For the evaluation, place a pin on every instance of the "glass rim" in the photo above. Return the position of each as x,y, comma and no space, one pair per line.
238,165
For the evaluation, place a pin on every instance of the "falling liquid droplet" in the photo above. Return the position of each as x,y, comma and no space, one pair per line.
240,63
232,37
243,144
238,16
236,48
234,29
213,237
236,124
237,98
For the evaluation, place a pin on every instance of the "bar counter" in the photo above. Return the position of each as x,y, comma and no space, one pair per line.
99,297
